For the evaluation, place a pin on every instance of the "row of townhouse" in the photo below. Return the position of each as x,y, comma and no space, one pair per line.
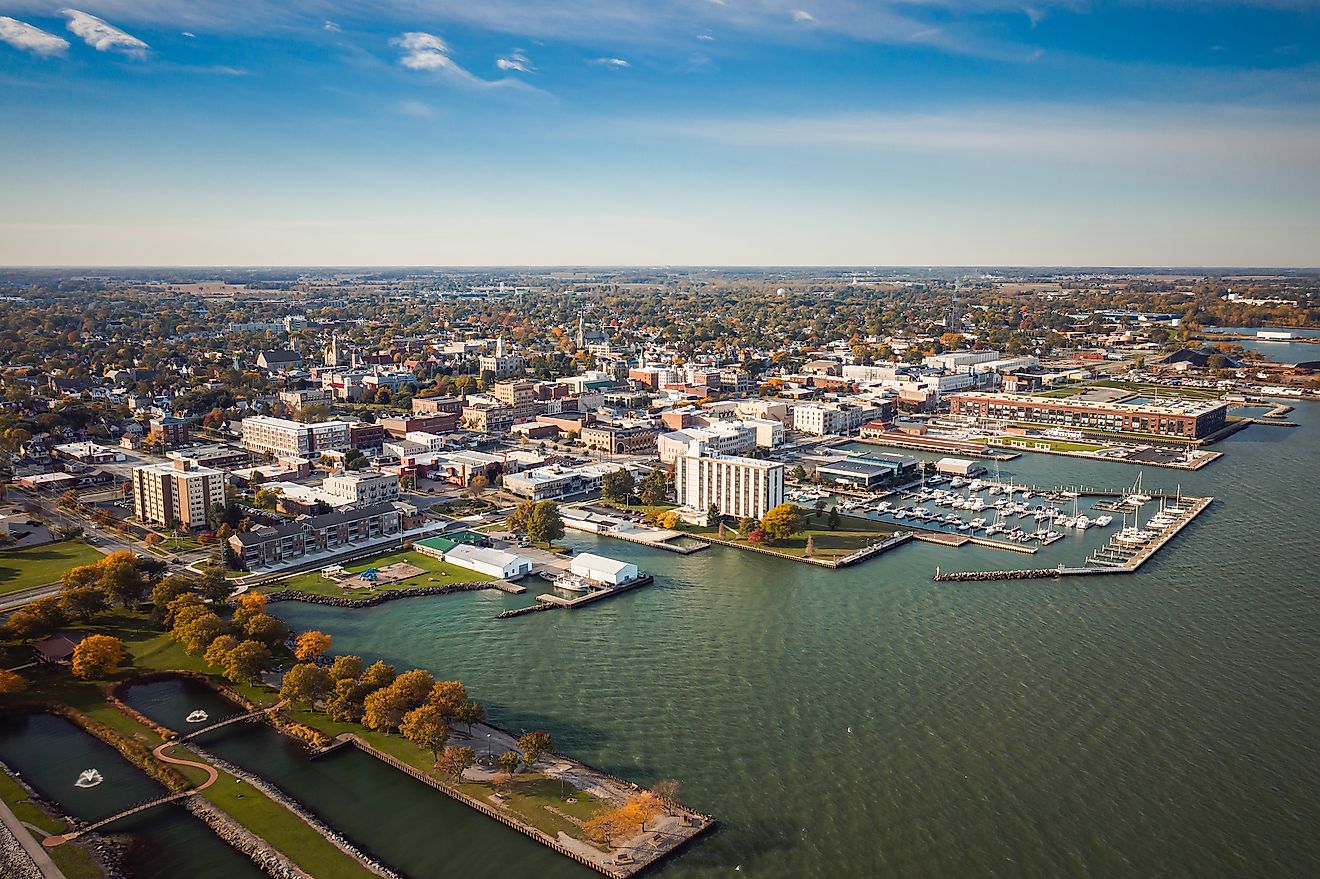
289,541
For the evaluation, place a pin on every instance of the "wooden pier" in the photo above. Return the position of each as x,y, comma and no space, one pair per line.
550,601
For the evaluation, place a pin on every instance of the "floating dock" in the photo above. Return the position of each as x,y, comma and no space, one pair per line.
550,601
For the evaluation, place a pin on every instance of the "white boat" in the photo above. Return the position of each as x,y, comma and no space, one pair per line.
883,507
966,526
1104,521
957,482
976,485
899,514
1082,522
571,583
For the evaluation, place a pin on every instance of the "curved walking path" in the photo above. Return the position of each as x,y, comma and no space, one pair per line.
159,754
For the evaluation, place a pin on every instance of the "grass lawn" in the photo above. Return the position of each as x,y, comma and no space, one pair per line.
526,795
74,861
39,565
438,573
853,533
278,826
1031,442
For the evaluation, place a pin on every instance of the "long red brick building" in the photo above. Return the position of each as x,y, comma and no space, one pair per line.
1179,418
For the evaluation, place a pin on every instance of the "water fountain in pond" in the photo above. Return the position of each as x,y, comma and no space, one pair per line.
88,778
197,716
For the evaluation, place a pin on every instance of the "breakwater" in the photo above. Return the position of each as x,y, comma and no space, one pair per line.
377,598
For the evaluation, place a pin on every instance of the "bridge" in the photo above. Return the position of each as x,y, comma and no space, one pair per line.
159,754
251,715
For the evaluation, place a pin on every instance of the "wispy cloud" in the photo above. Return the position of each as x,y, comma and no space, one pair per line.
802,15
189,34
415,109
612,63
331,26
426,52
22,35
515,60
103,36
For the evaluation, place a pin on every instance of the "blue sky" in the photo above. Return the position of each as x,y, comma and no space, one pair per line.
438,132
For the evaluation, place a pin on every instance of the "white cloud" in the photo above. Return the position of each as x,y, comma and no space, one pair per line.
103,36
515,60
22,35
189,34
803,15
331,26
613,63
423,51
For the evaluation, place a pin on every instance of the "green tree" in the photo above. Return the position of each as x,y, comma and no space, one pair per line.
546,525
509,762
267,629
384,709
377,675
713,515
617,486
834,520
219,649
817,508
197,633
655,488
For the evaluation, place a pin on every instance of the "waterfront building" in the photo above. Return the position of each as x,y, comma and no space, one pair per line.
733,485
867,472
282,436
491,562
556,481
831,419
1170,417
344,529
599,569
176,494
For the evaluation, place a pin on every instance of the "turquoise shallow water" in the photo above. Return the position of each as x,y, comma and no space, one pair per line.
871,722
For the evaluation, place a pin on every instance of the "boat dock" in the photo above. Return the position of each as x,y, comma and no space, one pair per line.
1115,557
549,601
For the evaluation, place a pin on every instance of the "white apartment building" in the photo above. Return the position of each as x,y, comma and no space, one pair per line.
831,419
177,494
363,487
433,441
962,361
720,437
735,486
283,437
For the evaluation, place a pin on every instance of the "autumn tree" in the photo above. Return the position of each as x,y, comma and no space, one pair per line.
642,807
97,656
196,632
166,591
449,697
425,727
533,745
246,662
383,710
781,522
122,578
311,644
668,791
305,684
265,628
248,605
509,762
11,682
219,649
455,760
346,667
83,602
378,674
607,824
470,713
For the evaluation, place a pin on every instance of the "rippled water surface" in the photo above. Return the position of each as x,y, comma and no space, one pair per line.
870,722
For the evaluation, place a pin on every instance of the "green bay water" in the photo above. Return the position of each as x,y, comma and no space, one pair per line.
869,722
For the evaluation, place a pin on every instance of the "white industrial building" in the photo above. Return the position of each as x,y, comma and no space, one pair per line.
491,562
599,569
